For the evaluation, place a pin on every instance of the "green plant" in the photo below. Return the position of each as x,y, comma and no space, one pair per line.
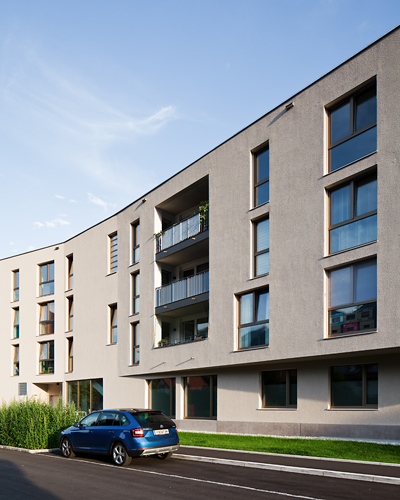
162,342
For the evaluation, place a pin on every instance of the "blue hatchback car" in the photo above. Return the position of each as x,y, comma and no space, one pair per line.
123,434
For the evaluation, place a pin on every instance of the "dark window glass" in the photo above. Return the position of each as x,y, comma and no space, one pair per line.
162,395
354,385
200,394
46,279
261,177
113,324
254,319
279,388
261,256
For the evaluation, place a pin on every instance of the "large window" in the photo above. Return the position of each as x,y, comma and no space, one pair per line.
254,319
16,323
113,252
162,395
279,389
46,357
352,128
135,287
15,360
354,385
87,395
113,324
261,177
353,216
46,318
201,397
261,247
135,228
70,272
352,298
46,279
15,285
135,343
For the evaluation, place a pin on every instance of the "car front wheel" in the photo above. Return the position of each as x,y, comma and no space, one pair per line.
120,455
66,448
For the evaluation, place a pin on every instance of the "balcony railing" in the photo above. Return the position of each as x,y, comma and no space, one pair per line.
181,231
182,289
183,340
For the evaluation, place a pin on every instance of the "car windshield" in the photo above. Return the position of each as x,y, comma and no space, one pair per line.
153,419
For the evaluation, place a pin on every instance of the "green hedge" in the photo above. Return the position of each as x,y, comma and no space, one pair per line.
34,424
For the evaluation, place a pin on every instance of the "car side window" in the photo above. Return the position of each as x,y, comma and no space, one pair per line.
107,418
121,419
90,420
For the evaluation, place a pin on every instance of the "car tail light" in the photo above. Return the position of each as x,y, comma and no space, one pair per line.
137,433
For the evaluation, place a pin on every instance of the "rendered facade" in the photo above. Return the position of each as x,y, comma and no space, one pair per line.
256,291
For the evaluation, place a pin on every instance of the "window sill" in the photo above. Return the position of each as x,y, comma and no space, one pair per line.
258,206
133,264
352,334
69,290
259,276
111,274
351,163
349,249
134,364
113,343
133,315
253,348
353,408
69,331
279,408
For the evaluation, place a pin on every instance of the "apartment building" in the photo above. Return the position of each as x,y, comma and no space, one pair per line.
256,291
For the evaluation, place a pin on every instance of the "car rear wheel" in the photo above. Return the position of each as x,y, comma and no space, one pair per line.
66,448
164,455
120,455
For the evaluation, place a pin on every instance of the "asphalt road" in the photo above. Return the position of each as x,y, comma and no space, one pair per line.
49,476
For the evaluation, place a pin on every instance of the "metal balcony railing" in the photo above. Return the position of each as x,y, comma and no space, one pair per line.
181,231
182,289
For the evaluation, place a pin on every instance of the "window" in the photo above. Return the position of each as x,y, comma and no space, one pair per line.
162,395
87,395
46,357
195,329
279,389
70,319
353,214
70,351
135,284
46,318
354,385
352,128
261,247
15,360
201,397
254,319
70,271
135,336
46,279
352,298
135,228
16,285
113,324
261,177
16,323
113,253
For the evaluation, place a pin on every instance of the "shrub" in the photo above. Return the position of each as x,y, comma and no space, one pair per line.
34,424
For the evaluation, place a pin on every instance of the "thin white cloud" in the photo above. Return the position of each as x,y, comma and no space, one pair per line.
97,201
38,224
59,197
52,223
72,201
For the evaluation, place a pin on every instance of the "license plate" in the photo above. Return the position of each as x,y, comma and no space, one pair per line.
160,432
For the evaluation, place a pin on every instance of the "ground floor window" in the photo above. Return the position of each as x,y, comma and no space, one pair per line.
279,388
87,395
201,397
162,395
354,385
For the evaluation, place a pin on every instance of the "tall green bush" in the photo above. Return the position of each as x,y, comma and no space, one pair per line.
34,424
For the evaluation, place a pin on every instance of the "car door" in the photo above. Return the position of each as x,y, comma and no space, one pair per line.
82,435
104,432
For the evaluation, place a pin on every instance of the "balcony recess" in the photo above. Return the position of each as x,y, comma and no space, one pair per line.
183,289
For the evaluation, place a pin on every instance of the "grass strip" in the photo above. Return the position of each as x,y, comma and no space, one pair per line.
326,448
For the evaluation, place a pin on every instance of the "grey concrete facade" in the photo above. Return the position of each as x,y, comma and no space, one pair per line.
300,187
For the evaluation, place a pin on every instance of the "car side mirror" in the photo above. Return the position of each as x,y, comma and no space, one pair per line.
76,424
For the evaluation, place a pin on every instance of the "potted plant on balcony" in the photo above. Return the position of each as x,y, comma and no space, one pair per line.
203,210
162,342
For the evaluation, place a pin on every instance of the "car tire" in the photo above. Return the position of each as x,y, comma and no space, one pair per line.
163,456
120,455
66,448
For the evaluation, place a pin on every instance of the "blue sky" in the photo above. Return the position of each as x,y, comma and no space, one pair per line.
100,101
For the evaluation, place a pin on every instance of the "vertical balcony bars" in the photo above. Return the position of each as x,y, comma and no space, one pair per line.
182,231
182,289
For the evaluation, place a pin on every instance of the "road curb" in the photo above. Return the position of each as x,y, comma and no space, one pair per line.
25,450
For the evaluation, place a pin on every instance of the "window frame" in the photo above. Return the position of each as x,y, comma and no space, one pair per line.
15,360
172,394
255,296
135,241
257,183
16,324
113,333
70,272
70,313
43,322
15,274
113,245
48,282
353,183
70,354
49,359
351,99
135,344
287,404
364,388
135,291
255,224
213,386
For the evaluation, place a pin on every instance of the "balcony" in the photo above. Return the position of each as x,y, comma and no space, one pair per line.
182,289
188,228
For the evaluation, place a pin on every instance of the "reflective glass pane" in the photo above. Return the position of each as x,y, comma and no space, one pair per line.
262,235
274,388
366,109
262,307
372,384
340,123
202,327
339,286
354,234
51,271
73,393
254,335
43,273
353,149
365,285
262,193
198,402
263,165
366,197
97,394
347,385
262,264
246,309
340,204
353,319
160,395
293,387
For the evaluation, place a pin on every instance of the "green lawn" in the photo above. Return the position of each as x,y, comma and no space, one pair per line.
350,450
